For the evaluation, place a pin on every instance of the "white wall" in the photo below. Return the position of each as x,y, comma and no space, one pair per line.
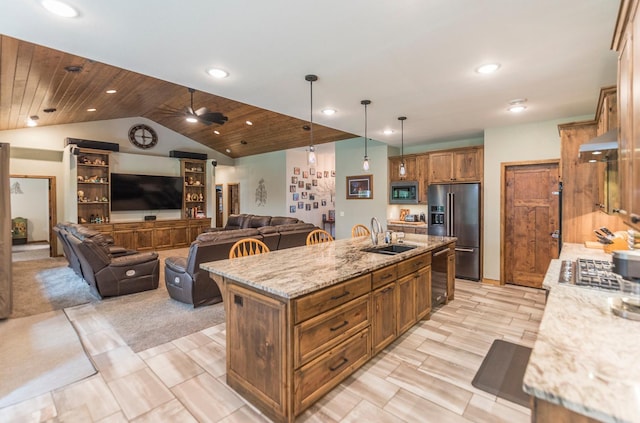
349,155
32,204
31,145
536,141
270,169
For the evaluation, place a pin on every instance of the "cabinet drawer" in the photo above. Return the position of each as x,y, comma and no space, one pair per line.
329,298
317,335
384,276
317,378
413,264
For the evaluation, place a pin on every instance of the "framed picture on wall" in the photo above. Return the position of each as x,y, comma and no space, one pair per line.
360,187
292,209
296,171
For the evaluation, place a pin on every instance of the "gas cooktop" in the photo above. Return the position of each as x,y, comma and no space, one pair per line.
589,273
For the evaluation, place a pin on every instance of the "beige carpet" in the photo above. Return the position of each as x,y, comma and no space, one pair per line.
143,320
39,353
46,285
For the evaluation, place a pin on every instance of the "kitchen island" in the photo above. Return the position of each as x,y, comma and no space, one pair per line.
585,364
301,320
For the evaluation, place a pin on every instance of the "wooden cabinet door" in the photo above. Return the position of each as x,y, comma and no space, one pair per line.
423,293
180,236
383,325
634,215
256,348
406,309
409,165
466,165
451,274
161,237
124,238
440,167
422,175
144,239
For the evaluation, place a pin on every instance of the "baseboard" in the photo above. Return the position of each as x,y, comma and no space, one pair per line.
491,282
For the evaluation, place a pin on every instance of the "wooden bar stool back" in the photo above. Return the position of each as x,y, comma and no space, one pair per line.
318,236
248,247
359,230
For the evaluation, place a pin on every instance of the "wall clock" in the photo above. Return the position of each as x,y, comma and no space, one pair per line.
143,136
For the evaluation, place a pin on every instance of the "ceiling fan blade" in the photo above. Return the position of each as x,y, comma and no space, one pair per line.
202,111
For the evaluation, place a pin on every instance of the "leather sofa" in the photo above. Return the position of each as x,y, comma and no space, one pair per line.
109,270
186,282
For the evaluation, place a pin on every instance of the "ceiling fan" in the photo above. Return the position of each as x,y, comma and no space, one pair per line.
202,114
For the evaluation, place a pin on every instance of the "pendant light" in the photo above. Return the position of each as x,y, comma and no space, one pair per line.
365,162
403,169
311,158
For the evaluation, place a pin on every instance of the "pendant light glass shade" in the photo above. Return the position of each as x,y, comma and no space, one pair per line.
403,169
311,156
365,161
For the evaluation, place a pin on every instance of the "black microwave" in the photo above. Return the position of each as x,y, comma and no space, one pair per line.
403,192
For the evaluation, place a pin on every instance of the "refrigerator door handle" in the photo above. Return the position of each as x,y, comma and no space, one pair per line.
452,202
464,250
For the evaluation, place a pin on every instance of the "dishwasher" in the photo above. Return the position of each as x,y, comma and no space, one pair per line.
439,263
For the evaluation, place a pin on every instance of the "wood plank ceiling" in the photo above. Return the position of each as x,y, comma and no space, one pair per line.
33,78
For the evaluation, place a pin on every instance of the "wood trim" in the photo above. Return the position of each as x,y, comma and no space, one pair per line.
53,209
626,9
491,282
604,93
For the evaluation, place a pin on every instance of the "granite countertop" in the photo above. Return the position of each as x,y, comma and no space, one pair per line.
294,272
585,358
405,223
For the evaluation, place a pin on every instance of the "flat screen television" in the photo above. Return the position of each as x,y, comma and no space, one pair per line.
145,192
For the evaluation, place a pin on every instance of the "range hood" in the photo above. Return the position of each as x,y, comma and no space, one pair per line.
603,148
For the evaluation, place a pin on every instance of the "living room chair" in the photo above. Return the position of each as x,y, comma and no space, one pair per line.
318,236
247,247
359,230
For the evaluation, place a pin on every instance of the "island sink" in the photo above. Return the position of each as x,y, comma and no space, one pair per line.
391,249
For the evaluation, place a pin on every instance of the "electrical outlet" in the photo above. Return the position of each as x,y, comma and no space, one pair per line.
341,214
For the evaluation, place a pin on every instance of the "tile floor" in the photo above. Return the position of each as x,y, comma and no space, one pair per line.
425,376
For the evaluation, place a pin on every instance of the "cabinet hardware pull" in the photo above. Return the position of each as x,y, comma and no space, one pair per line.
387,276
343,324
342,363
440,252
335,297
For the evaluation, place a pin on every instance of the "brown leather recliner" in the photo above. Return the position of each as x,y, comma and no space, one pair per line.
111,276
184,279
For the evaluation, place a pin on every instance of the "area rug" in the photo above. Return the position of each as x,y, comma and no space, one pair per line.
151,318
45,285
502,371
39,353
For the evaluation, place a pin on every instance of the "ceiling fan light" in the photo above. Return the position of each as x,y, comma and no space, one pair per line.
217,73
59,8
191,119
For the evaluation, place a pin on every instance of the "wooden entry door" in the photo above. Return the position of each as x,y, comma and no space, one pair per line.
233,203
531,221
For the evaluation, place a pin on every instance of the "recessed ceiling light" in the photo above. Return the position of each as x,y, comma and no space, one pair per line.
111,91
215,131
517,105
59,8
488,68
217,73
248,122
388,131
329,111
228,150
92,109
73,68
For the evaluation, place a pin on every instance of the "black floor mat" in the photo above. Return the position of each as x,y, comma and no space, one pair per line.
502,371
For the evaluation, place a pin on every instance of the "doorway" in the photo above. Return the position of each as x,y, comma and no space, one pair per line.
219,206
233,199
530,220
27,192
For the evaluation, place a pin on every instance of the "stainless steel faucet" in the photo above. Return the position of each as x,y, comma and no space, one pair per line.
375,230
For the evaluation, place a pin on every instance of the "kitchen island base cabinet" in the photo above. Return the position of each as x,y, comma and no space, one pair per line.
543,411
256,345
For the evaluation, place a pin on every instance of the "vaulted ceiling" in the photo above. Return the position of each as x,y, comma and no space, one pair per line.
409,57
36,79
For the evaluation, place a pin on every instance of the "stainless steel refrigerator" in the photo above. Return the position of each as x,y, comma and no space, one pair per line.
454,210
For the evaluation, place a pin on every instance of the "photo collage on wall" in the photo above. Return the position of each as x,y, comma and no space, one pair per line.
308,188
